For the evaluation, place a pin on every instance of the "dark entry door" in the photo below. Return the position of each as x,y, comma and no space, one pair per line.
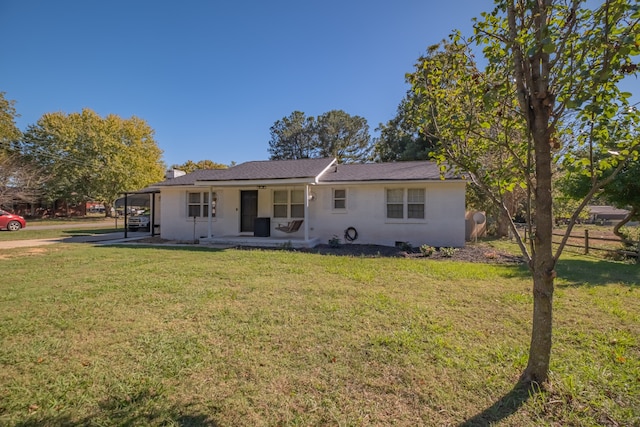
248,209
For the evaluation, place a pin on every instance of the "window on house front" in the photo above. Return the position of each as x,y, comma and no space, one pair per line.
198,204
339,199
395,203
297,203
405,203
280,203
415,203
288,204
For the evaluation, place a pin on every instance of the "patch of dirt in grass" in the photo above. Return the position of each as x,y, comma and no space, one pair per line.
477,252
471,253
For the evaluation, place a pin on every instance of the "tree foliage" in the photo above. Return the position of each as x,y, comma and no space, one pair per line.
19,181
401,138
332,134
9,132
293,137
190,166
550,89
88,157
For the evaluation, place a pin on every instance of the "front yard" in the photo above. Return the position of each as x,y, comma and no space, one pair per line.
150,336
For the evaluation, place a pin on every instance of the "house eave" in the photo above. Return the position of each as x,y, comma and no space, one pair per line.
391,181
256,182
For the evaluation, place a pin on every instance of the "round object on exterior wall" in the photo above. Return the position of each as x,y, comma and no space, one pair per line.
350,234
479,218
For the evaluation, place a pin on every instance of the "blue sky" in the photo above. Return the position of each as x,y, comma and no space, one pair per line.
211,77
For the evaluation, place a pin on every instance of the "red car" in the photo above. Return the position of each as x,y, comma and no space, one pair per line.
11,222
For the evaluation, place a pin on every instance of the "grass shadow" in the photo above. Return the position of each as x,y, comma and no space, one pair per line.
167,247
133,414
87,231
503,408
580,272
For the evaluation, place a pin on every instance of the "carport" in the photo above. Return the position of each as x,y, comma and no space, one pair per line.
145,198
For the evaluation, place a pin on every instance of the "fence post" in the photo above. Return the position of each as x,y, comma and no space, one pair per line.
586,242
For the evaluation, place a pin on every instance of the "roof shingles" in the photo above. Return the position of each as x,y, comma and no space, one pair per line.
312,168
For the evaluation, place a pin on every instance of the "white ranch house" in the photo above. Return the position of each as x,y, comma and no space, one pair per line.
306,202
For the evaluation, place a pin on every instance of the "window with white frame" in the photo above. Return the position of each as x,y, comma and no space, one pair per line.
288,203
415,203
198,204
297,203
339,199
403,203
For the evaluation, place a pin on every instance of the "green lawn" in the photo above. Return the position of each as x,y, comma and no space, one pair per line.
147,336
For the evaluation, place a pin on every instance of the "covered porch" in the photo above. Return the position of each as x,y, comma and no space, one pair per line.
267,214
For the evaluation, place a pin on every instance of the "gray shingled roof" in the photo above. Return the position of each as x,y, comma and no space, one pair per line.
191,178
396,171
257,170
311,168
275,169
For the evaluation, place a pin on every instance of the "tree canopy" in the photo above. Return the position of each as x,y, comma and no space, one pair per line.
401,138
19,182
88,157
332,134
190,166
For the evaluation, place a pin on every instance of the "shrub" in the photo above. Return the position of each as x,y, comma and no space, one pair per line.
334,242
448,252
427,250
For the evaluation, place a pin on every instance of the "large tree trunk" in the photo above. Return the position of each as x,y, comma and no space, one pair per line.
543,270
543,262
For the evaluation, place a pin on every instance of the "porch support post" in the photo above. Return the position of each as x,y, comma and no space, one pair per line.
210,209
306,212
152,218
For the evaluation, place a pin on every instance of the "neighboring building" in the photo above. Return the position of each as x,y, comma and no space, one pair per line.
261,203
606,214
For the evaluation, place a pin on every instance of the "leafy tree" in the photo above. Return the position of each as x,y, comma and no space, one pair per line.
343,136
333,134
293,137
553,69
190,166
87,157
9,132
401,139
623,192
19,182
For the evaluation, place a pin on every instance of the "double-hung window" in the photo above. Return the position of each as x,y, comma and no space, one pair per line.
198,204
403,203
288,204
339,199
415,203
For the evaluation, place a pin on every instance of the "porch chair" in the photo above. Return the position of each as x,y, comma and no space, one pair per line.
290,227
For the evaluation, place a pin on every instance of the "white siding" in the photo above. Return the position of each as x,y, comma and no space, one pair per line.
443,225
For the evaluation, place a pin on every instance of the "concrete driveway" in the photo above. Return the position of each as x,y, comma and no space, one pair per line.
114,237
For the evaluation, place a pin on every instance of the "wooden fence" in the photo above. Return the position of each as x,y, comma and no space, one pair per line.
591,243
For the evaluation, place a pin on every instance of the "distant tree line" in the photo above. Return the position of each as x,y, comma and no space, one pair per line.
76,157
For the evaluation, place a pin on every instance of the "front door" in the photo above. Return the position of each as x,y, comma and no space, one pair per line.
248,209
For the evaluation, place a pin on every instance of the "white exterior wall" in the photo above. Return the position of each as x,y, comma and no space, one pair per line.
176,225
443,225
